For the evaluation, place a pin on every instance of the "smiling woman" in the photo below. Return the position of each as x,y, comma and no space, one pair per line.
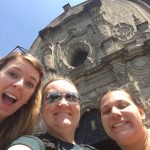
122,117
20,81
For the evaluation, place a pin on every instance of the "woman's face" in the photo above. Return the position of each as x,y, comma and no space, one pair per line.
121,118
61,114
18,80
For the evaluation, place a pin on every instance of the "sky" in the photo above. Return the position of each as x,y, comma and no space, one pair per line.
21,20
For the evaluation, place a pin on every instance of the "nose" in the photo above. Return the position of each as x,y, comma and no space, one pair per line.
19,83
63,102
115,113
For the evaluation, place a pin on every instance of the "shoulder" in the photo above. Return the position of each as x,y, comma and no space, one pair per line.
48,140
30,141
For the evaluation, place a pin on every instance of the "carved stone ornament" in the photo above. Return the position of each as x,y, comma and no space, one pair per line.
72,32
123,31
140,62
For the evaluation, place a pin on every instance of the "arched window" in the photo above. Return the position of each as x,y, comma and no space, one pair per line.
78,58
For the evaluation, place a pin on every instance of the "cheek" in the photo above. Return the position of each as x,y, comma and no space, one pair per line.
27,94
105,121
133,112
4,83
46,114
47,109
76,109
138,115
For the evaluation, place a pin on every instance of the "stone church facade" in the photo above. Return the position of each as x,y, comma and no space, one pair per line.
99,44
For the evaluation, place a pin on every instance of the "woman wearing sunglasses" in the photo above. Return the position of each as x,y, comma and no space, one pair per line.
20,80
61,114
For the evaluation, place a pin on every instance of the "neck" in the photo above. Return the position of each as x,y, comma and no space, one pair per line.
64,135
141,144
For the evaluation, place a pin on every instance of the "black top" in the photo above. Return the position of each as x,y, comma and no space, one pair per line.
52,143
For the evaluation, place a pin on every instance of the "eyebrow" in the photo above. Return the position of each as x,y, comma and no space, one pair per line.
117,101
33,79
18,68
103,107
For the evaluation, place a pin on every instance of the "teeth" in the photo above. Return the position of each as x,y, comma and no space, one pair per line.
119,124
11,96
62,112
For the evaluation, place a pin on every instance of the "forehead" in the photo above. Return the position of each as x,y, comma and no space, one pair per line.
24,66
61,85
17,62
116,96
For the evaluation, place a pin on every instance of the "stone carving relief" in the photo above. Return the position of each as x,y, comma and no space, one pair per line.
140,62
94,11
147,81
72,33
112,37
123,31
139,66
103,28
92,96
148,100
48,60
109,46
61,58
144,82
136,19
121,77
90,32
120,71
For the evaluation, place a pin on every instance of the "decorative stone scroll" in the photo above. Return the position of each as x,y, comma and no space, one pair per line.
48,50
123,31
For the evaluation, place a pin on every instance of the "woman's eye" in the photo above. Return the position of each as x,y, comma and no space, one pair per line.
13,75
106,111
29,84
122,105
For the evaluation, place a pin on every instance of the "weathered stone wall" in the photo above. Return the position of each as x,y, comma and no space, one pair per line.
99,44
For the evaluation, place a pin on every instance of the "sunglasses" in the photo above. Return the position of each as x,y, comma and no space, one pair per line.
56,96
19,49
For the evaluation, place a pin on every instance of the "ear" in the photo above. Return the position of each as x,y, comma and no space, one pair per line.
141,110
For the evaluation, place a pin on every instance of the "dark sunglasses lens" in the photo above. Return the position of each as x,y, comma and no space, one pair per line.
53,97
71,97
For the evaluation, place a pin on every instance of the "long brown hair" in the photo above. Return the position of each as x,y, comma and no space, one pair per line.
24,119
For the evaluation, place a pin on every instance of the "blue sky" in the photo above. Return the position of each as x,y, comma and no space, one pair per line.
21,20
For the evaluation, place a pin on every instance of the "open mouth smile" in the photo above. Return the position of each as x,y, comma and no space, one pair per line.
8,98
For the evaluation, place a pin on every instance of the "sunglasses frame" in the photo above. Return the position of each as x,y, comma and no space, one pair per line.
19,48
53,97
